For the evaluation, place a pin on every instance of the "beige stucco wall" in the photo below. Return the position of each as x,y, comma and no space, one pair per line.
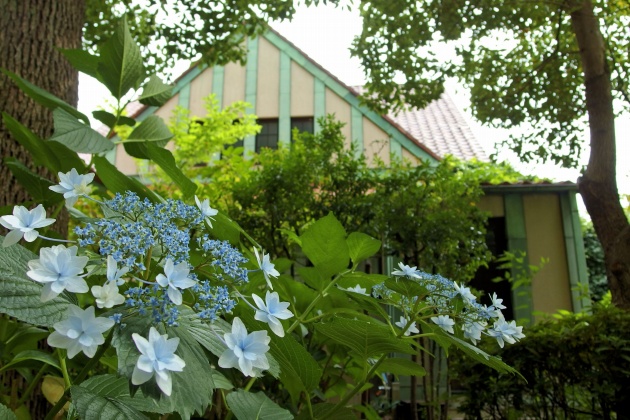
407,156
493,204
268,90
233,83
302,96
200,88
342,111
551,289
166,110
375,142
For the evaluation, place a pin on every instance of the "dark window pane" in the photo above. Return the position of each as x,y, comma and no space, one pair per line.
268,136
303,124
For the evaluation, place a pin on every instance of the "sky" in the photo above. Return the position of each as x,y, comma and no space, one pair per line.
335,29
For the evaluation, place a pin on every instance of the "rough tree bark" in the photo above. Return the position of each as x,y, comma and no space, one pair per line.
598,185
31,32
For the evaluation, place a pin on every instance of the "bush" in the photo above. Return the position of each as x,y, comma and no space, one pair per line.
574,366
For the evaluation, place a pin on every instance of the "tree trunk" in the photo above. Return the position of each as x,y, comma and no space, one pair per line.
31,32
598,185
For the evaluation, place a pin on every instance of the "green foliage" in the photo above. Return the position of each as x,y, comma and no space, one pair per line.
519,64
576,366
594,253
246,405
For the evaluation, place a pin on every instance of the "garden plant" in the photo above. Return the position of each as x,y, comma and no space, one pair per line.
159,305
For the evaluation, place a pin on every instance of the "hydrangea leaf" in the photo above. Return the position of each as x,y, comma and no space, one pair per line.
324,243
34,184
155,92
165,160
6,413
362,246
366,338
90,405
116,181
404,367
405,287
247,406
20,297
77,136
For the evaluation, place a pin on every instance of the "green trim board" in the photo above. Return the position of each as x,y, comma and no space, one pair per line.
284,111
574,245
319,105
251,87
218,79
184,97
357,131
395,150
332,84
517,243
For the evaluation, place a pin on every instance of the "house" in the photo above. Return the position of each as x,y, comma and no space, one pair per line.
288,89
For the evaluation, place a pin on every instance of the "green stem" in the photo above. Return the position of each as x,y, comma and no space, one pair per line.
64,369
249,384
32,385
148,264
310,307
358,386
58,406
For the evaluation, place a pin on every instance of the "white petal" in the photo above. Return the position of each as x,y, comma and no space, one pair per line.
175,295
12,237
228,359
165,383
139,377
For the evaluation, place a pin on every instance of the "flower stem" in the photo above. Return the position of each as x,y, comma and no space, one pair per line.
249,384
358,386
321,294
64,369
32,385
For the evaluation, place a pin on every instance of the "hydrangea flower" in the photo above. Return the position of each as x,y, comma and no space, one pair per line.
205,209
59,269
246,352
80,331
177,277
107,296
23,223
496,302
114,274
72,185
473,330
504,332
271,310
405,270
356,289
445,322
157,357
465,293
413,329
267,267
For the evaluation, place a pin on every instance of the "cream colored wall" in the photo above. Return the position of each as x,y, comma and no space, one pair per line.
200,88
268,90
125,163
551,288
407,156
302,99
233,83
166,110
343,112
375,142
493,204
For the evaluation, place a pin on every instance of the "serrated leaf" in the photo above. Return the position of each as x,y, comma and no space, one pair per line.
44,98
34,184
118,387
82,60
362,246
220,381
110,120
399,366
6,413
151,130
324,243
324,411
29,356
116,181
20,297
366,338
120,67
165,160
30,141
67,158
91,406
250,406
155,92
405,287
77,136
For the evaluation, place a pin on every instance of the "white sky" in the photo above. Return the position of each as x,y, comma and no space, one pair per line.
325,34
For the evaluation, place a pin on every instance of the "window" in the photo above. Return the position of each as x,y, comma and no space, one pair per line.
268,136
303,124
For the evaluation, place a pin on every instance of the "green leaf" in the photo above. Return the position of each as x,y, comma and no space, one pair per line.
90,405
30,141
34,184
77,136
155,92
225,229
220,381
28,356
20,297
405,287
165,160
298,370
44,98
110,120
121,66
404,367
67,158
324,243
150,130
192,388
6,413
250,406
82,61
116,181
366,338
323,411
118,387
362,246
